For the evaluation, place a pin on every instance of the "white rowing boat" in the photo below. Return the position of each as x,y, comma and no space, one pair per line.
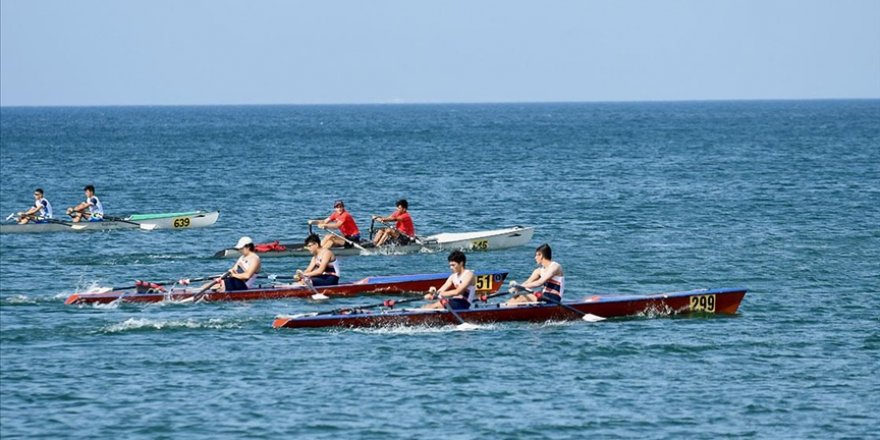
465,241
172,220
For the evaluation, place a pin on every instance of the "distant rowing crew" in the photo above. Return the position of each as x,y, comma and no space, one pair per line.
402,232
457,293
91,209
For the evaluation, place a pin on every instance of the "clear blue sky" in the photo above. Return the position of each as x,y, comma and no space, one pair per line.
103,52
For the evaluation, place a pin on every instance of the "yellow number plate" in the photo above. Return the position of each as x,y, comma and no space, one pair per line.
703,303
484,282
480,245
181,222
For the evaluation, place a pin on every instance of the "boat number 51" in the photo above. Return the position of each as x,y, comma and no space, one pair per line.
703,303
480,245
484,282
181,222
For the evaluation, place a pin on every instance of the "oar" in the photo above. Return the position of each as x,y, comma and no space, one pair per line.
201,293
462,324
390,303
589,317
183,281
307,281
411,237
345,239
71,225
144,226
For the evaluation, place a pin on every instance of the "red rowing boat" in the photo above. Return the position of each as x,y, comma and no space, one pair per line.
487,282
706,301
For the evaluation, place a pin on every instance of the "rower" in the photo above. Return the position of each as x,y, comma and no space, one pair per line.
243,273
460,288
323,270
92,209
549,276
40,212
402,232
342,220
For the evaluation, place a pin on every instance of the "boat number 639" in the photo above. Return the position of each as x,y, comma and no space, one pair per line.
703,303
181,222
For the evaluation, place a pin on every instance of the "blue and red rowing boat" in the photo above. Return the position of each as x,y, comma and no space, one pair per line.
487,282
705,301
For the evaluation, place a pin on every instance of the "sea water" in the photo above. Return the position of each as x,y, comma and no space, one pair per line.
779,197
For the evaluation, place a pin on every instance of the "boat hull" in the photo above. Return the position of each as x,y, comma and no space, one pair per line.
466,241
487,282
715,301
187,220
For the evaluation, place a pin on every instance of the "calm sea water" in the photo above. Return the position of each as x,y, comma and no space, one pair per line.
779,197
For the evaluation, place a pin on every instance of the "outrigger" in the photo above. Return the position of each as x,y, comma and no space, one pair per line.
702,301
146,292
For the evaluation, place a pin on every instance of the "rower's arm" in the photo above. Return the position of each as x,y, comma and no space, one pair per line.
534,280
430,295
548,274
248,271
466,281
319,269
310,266
334,225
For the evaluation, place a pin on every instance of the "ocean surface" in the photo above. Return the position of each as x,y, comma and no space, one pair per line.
779,197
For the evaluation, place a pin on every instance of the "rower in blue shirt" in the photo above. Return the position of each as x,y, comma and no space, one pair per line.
40,212
92,210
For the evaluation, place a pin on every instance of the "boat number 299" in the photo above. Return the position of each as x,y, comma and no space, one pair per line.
181,222
480,245
703,303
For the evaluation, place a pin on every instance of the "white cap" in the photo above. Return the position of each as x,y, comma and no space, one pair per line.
243,241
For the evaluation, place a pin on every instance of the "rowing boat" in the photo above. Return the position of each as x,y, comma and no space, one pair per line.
706,301
172,220
467,241
487,282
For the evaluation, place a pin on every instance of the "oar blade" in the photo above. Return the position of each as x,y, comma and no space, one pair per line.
320,297
589,317
466,326
147,226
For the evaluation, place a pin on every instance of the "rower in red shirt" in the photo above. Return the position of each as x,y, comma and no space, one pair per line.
342,220
403,231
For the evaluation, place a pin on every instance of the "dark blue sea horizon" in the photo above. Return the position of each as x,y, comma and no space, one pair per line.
780,197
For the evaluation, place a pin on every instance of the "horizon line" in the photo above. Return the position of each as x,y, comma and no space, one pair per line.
403,103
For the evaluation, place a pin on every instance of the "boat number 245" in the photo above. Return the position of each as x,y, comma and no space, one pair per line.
703,303
181,222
